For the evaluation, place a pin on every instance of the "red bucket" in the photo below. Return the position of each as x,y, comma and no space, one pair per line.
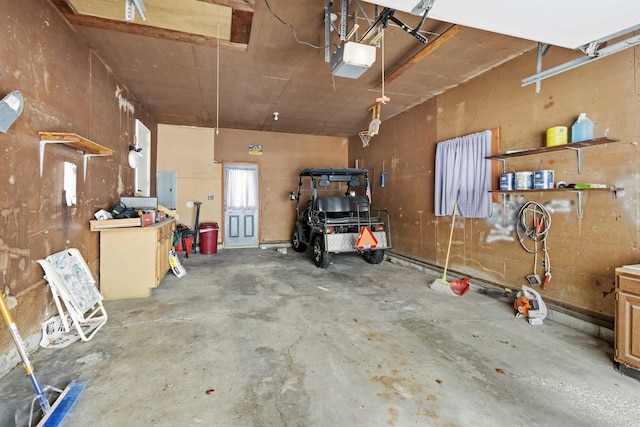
208,238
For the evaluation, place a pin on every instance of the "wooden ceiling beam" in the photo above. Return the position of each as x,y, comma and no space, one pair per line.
147,31
243,5
426,51
241,26
64,6
241,21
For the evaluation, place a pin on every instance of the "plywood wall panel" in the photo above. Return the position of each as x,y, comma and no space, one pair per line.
405,145
66,89
197,189
284,156
199,170
584,251
577,246
189,152
492,263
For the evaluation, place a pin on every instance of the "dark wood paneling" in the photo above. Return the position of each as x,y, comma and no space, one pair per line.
67,88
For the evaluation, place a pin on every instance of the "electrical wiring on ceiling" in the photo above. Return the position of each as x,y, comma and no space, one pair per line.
293,30
415,31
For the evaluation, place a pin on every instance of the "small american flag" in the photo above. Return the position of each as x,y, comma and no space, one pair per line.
368,190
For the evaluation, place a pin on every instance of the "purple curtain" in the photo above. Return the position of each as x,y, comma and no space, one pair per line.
463,174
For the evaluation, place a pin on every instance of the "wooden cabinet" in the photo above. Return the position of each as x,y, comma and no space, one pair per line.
627,323
134,260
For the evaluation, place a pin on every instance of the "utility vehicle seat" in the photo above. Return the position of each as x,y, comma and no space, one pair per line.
344,209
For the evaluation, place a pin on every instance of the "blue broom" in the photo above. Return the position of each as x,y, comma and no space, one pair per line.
52,414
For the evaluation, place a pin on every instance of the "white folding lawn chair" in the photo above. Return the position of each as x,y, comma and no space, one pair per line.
70,279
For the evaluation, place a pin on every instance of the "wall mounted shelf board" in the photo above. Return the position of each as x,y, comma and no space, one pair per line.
576,146
87,147
579,193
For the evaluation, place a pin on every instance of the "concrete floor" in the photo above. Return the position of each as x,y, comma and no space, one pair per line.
253,337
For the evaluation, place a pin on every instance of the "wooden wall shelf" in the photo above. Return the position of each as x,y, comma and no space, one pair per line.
575,146
543,190
87,147
578,192
542,150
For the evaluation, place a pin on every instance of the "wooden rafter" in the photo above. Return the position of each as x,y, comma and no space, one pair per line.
243,5
426,51
241,21
64,6
145,30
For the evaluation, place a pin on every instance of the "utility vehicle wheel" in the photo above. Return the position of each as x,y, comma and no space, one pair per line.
374,257
298,246
320,255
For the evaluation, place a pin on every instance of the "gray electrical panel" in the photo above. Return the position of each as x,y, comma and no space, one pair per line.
167,182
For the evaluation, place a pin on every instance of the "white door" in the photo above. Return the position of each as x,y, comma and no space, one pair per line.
143,171
240,205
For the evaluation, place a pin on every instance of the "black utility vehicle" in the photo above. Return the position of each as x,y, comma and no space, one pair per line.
334,215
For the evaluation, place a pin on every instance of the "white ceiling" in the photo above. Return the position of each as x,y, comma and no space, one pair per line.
565,23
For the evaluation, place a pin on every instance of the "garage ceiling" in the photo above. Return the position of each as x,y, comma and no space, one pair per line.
169,62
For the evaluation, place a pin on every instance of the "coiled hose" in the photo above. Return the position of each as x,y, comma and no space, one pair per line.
534,222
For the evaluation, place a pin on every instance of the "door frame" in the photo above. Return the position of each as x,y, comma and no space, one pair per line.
144,164
223,198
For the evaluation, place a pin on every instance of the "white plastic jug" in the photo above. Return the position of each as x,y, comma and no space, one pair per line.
582,129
